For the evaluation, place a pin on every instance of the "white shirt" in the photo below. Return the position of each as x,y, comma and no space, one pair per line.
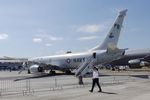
95,74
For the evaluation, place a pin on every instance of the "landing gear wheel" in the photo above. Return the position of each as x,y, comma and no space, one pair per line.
52,72
68,72
29,72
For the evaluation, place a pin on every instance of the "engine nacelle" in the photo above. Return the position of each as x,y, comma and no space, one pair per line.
36,69
144,63
135,63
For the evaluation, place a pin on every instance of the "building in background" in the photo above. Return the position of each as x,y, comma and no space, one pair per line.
9,63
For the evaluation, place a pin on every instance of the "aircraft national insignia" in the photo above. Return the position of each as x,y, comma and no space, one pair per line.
68,60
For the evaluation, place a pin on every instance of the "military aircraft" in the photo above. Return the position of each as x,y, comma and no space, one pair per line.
133,58
101,54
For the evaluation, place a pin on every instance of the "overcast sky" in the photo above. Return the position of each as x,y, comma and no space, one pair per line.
30,28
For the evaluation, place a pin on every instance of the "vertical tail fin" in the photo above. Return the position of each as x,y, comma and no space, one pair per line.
114,33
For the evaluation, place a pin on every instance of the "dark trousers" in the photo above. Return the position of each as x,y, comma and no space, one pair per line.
96,81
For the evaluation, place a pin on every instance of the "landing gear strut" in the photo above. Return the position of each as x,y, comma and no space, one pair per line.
80,80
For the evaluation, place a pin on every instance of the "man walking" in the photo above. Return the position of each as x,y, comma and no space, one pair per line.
95,80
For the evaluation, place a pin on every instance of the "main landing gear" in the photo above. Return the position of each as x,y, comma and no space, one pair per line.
29,72
52,72
68,72
80,80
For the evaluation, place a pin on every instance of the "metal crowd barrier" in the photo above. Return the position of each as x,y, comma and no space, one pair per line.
30,86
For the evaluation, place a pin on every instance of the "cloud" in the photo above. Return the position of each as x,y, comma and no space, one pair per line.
52,38
3,36
87,38
60,52
37,40
46,39
49,37
93,28
48,44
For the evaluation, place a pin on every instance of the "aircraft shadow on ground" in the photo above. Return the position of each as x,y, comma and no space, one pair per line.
60,74
109,92
42,76
141,76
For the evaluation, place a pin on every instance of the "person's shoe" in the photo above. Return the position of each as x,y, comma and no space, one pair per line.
90,91
100,91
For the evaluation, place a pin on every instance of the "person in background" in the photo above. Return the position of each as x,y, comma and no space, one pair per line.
95,80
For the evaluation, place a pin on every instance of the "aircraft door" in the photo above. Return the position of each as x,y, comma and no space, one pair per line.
94,55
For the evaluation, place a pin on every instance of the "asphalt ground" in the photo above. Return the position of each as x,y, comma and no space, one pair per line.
115,86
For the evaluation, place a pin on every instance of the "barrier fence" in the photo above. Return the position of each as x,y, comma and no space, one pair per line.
29,86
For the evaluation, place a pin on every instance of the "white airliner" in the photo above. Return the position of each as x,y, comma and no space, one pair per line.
104,53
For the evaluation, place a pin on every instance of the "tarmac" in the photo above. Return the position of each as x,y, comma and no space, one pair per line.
66,87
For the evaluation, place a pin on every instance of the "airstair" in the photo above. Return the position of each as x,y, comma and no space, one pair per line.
84,67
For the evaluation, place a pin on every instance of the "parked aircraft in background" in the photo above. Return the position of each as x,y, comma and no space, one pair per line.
134,59
101,54
11,63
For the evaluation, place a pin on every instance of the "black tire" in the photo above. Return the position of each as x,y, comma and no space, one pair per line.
29,72
68,72
52,72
